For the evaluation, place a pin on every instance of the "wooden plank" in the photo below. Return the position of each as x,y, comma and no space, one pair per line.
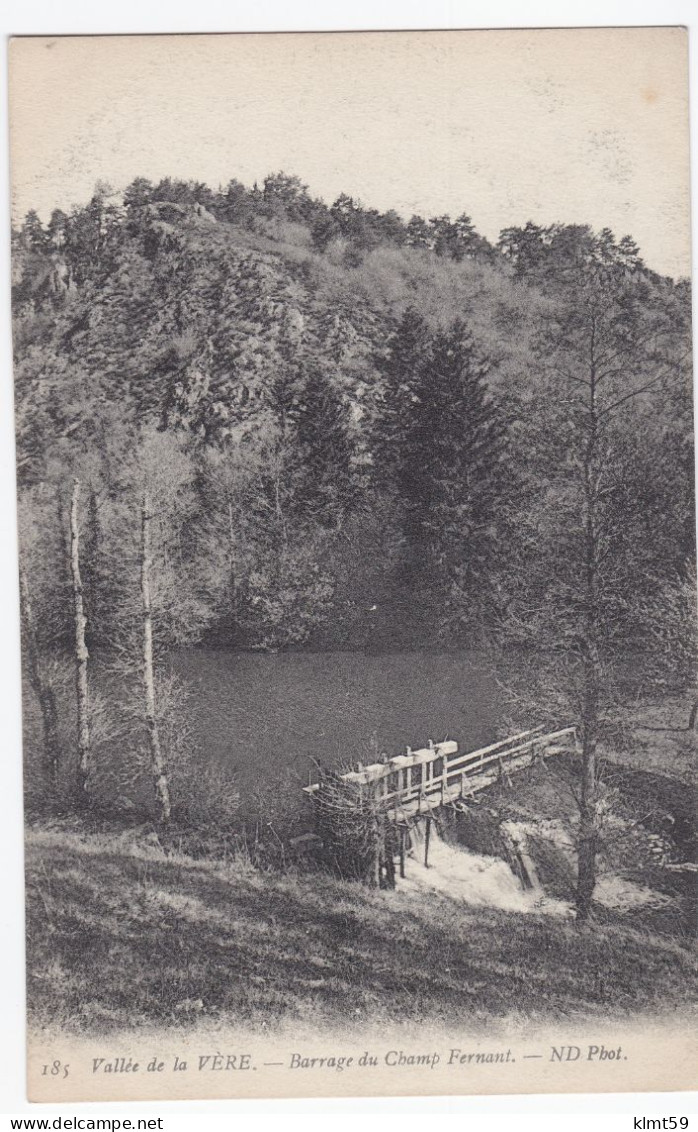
468,765
495,746
375,774
500,757
475,757
476,783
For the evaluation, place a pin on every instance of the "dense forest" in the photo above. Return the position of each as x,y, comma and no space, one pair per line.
248,418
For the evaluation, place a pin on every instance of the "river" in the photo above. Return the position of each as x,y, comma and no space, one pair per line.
272,717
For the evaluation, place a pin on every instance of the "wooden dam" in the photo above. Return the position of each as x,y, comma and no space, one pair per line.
385,800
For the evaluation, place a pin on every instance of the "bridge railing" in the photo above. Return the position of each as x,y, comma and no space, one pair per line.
443,772
439,767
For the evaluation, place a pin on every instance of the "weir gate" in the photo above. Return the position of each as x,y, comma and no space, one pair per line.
380,803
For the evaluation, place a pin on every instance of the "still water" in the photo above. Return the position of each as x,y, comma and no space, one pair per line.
276,716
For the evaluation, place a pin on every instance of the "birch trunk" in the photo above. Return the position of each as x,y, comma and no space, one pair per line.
42,689
162,788
81,653
232,570
588,817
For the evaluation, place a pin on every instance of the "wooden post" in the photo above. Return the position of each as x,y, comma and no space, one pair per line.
503,772
427,836
389,862
402,852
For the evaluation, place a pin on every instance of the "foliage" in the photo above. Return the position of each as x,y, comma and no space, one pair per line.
326,403
439,450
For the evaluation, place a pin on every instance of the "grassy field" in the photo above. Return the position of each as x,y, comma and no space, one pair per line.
121,935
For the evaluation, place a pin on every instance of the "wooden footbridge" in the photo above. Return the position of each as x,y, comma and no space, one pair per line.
412,784
392,796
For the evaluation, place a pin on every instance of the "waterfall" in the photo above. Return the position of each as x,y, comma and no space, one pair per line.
476,879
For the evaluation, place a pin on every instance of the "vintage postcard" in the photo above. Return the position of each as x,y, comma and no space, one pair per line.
355,487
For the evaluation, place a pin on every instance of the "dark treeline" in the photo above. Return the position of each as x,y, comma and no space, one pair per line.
248,418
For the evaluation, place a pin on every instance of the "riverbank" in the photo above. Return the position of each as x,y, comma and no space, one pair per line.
122,934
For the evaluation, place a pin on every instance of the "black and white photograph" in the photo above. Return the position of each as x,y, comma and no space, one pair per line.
357,562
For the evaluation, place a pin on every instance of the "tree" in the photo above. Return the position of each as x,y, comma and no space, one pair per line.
33,234
418,233
323,488
287,195
399,368
455,478
606,352
156,599
46,622
81,652
236,207
325,229
562,251
160,778
42,688
138,195
444,237
223,533
57,229
298,497
356,224
442,434
392,227
525,248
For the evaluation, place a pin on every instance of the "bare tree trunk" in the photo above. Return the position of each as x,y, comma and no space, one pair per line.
81,654
232,571
162,788
42,690
588,831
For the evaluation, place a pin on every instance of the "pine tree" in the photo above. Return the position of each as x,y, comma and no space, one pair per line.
399,371
34,236
453,473
438,447
418,233
324,487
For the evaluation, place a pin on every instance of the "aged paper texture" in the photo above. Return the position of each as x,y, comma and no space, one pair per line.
357,562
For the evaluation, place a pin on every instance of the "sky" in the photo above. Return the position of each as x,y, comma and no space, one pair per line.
572,126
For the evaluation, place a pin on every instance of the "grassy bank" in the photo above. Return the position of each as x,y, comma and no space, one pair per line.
121,934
